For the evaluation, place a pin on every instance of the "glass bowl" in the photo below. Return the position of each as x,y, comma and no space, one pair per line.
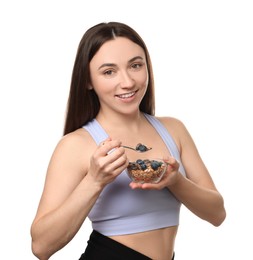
146,170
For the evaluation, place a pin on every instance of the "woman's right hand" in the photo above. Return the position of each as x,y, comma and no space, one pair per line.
107,162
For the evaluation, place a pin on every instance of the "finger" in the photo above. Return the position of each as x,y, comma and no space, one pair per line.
107,146
116,163
171,162
105,141
145,186
134,185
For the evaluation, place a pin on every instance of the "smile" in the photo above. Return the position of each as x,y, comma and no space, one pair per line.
127,95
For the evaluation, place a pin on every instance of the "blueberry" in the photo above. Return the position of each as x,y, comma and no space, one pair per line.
141,147
143,167
139,161
155,165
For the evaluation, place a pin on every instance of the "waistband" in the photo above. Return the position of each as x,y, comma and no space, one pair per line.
103,247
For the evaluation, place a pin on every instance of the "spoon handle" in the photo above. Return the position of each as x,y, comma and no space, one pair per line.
128,147
139,150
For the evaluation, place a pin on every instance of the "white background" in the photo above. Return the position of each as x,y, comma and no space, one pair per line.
202,54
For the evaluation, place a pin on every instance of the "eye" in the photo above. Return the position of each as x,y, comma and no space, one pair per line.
137,66
108,72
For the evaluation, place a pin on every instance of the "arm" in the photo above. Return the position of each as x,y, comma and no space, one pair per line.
197,190
74,180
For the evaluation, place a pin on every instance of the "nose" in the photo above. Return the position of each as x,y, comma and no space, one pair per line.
126,79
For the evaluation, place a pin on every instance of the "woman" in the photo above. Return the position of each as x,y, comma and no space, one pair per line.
111,104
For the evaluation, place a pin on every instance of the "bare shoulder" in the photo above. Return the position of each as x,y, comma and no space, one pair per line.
73,152
77,140
172,123
176,128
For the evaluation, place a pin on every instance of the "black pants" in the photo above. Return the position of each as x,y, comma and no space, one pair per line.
101,247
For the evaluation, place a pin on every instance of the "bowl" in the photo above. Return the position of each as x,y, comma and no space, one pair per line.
146,170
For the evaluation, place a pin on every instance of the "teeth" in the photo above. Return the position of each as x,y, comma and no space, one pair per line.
126,95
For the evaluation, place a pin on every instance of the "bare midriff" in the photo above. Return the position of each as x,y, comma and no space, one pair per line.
157,244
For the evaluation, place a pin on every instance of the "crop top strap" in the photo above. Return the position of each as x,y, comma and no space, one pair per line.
96,131
165,135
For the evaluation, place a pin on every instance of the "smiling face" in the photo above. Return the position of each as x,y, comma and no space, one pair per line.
119,75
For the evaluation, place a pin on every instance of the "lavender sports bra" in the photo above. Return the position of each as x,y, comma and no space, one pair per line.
120,210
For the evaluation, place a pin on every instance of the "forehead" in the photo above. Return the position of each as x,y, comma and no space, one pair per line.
116,51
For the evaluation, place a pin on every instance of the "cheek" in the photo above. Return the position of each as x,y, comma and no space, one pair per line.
103,85
99,82
144,79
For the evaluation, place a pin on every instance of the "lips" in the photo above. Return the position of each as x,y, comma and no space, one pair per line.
127,95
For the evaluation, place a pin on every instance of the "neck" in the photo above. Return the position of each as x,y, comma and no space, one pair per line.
118,121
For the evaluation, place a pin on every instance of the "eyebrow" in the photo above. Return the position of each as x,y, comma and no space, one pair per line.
114,65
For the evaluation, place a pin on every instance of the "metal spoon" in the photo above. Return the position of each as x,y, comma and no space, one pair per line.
141,148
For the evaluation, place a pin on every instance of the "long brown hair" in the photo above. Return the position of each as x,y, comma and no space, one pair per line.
83,103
